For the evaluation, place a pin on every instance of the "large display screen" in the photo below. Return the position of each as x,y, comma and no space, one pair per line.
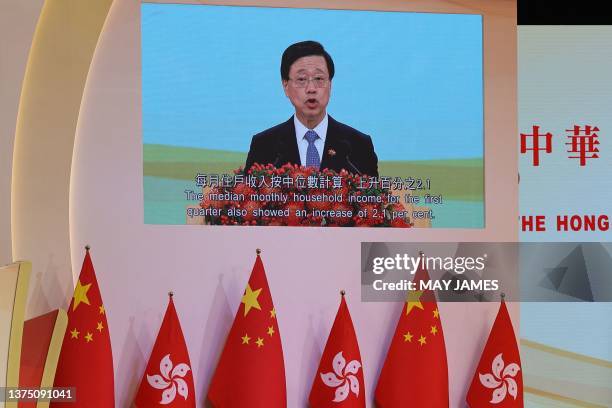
398,125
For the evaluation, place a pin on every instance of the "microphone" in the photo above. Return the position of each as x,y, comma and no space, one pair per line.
346,150
280,149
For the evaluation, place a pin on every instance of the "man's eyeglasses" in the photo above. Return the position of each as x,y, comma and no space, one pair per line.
302,82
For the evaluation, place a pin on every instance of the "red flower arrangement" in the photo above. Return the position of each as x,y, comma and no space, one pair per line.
302,196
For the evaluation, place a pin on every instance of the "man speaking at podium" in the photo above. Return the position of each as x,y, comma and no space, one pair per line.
311,137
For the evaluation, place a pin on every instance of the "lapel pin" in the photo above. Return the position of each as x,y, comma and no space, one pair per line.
331,152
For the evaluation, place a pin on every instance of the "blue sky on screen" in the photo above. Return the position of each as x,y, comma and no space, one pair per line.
413,81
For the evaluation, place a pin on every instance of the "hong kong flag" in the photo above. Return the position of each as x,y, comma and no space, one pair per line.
251,370
498,380
415,372
168,380
339,379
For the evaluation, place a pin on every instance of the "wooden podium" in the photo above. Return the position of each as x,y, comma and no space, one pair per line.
40,348
14,281
559,378
29,350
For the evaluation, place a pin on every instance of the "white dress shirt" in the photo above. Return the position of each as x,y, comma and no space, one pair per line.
300,132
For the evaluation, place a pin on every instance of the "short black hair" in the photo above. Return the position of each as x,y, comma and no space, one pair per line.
304,49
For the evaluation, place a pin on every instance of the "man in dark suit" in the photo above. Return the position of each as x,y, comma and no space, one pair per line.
311,137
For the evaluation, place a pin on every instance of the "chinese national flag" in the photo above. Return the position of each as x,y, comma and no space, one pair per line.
339,379
86,359
415,372
251,370
498,380
167,380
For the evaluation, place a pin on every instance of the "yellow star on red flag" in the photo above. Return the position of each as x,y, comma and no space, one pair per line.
413,300
418,342
86,348
237,380
80,294
250,299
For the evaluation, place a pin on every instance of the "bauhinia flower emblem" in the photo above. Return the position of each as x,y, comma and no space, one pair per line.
170,380
502,381
343,377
